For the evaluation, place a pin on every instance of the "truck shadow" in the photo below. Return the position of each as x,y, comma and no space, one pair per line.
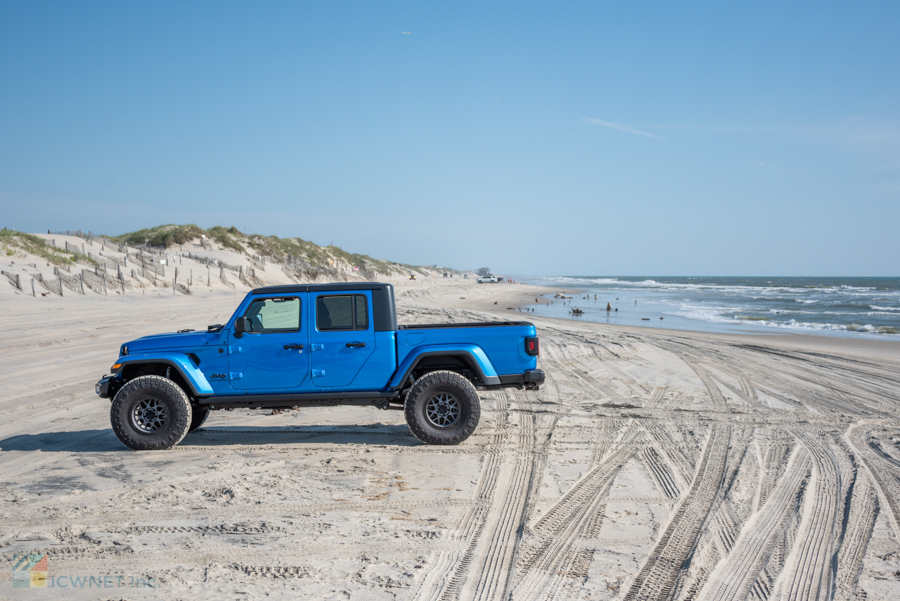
372,434
101,441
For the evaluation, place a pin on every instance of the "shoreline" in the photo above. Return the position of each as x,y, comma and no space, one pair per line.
856,308
506,297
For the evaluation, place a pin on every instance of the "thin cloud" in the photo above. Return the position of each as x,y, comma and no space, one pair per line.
625,128
777,168
719,128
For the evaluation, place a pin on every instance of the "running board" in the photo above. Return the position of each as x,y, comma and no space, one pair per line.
326,399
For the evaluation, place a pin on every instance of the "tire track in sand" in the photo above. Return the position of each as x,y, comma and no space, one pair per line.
732,579
483,569
664,565
543,565
807,572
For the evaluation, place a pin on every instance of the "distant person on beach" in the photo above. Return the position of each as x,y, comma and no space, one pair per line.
608,307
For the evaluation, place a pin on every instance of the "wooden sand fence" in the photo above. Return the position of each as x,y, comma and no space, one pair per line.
14,278
54,286
72,282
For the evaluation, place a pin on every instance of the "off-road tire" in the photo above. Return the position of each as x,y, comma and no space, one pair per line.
154,389
198,416
434,385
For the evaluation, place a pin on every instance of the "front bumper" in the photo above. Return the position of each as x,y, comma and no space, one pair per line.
108,386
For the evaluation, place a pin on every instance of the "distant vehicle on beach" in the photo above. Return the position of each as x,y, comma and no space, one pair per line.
491,279
317,345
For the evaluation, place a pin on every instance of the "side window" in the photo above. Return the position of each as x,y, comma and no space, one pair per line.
343,312
274,315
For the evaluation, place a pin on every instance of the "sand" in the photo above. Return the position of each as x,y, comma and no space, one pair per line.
653,464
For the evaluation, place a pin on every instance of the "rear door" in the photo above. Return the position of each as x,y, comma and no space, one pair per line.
272,356
341,336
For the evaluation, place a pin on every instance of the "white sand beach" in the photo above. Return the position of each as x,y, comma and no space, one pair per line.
652,465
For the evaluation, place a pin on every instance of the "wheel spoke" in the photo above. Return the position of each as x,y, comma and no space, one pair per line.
149,416
442,410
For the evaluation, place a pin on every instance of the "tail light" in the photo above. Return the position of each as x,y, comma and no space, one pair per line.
533,346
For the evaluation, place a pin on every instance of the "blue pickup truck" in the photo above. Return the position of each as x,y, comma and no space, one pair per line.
312,346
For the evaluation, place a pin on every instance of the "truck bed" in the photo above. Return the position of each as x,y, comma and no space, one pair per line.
477,324
502,341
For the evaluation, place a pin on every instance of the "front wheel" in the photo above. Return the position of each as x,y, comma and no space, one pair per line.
150,413
442,408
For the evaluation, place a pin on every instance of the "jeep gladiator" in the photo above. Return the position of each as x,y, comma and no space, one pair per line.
317,345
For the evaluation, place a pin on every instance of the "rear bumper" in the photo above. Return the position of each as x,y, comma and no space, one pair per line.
530,379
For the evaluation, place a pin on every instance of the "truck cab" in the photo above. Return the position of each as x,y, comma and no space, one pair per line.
317,345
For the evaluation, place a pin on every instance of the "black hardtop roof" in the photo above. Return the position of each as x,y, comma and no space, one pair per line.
337,286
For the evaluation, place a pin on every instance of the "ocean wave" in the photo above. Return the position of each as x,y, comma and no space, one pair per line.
808,325
880,308
772,290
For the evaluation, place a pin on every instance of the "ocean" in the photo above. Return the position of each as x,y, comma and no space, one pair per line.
848,307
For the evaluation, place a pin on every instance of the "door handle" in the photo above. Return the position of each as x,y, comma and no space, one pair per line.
293,347
356,344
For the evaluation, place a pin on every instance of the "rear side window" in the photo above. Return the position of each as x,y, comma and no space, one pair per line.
274,315
342,312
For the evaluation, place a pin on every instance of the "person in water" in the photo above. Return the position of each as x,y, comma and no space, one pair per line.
608,307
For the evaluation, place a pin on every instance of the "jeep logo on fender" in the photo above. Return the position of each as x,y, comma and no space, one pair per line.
217,376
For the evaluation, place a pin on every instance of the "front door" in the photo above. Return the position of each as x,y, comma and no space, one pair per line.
273,354
341,336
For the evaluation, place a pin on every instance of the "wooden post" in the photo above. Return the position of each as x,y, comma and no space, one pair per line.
81,279
32,287
104,284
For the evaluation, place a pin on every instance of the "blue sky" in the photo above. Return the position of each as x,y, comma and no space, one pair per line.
551,138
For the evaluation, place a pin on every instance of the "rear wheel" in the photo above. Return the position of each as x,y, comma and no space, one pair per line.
442,408
150,413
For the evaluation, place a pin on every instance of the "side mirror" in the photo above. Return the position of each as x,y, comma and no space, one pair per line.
241,325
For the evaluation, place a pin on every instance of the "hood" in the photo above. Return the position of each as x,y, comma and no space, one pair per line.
168,341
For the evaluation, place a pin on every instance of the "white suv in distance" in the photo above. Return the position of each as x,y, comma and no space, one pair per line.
492,279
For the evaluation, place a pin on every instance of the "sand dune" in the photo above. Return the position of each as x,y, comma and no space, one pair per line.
652,465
